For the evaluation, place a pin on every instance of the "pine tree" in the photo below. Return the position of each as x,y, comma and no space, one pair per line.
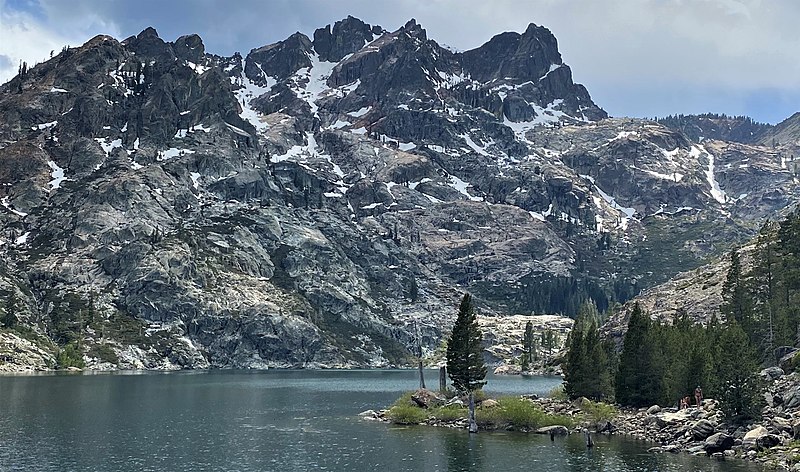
10,316
738,387
465,364
527,347
762,282
736,301
640,371
587,370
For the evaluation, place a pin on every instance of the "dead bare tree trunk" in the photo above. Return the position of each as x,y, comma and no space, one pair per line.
419,353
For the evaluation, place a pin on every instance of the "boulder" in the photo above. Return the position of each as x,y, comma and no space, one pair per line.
507,369
489,403
606,427
751,439
718,442
426,399
786,355
769,440
701,429
791,399
556,430
667,419
699,449
653,410
673,448
780,425
772,373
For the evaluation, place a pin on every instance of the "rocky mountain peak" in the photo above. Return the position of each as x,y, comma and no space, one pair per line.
190,48
150,46
414,30
279,60
519,57
348,36
148,33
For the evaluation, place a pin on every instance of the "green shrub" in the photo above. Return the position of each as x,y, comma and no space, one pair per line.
407,414
450,413
599,411
405,411
70,356
104,352
558,393
518,413
479,396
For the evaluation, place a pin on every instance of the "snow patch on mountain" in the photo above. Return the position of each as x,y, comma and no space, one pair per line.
310,83
247,92
5,202
173,152
716,192
42,126
108,147
57,174
462,186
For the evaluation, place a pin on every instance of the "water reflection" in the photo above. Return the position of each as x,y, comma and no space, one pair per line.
464,451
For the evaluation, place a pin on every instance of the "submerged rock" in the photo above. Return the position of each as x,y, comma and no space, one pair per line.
556,430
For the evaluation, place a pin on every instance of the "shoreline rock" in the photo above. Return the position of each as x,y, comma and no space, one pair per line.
772,441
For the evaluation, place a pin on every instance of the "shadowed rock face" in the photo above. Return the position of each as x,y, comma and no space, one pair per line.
312,203
348,36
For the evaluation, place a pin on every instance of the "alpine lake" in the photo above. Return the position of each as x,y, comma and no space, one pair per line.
279,420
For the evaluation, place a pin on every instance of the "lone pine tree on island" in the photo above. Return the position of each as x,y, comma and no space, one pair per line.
465,364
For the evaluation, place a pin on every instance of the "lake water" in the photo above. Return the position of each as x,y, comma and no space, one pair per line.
276,421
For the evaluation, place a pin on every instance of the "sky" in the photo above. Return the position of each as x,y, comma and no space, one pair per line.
638,58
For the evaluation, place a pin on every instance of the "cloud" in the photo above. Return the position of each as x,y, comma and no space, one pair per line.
636,57
5,62
25,37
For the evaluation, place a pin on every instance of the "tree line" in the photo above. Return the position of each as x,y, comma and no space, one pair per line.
660,363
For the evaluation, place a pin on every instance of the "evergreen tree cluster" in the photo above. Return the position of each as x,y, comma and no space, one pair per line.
764,299
662,363
588,368
716,126
565,295
528,347
9,317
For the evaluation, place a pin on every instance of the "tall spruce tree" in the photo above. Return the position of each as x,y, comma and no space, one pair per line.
640,371
788,316
465,364
763,286
527,347
736,300
587,370
738,387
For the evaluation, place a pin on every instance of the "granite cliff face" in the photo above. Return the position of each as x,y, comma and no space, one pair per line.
324,199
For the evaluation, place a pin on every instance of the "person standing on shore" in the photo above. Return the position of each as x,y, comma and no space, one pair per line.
698,396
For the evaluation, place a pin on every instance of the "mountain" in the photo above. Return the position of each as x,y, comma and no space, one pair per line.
740,129
324,199
784,134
